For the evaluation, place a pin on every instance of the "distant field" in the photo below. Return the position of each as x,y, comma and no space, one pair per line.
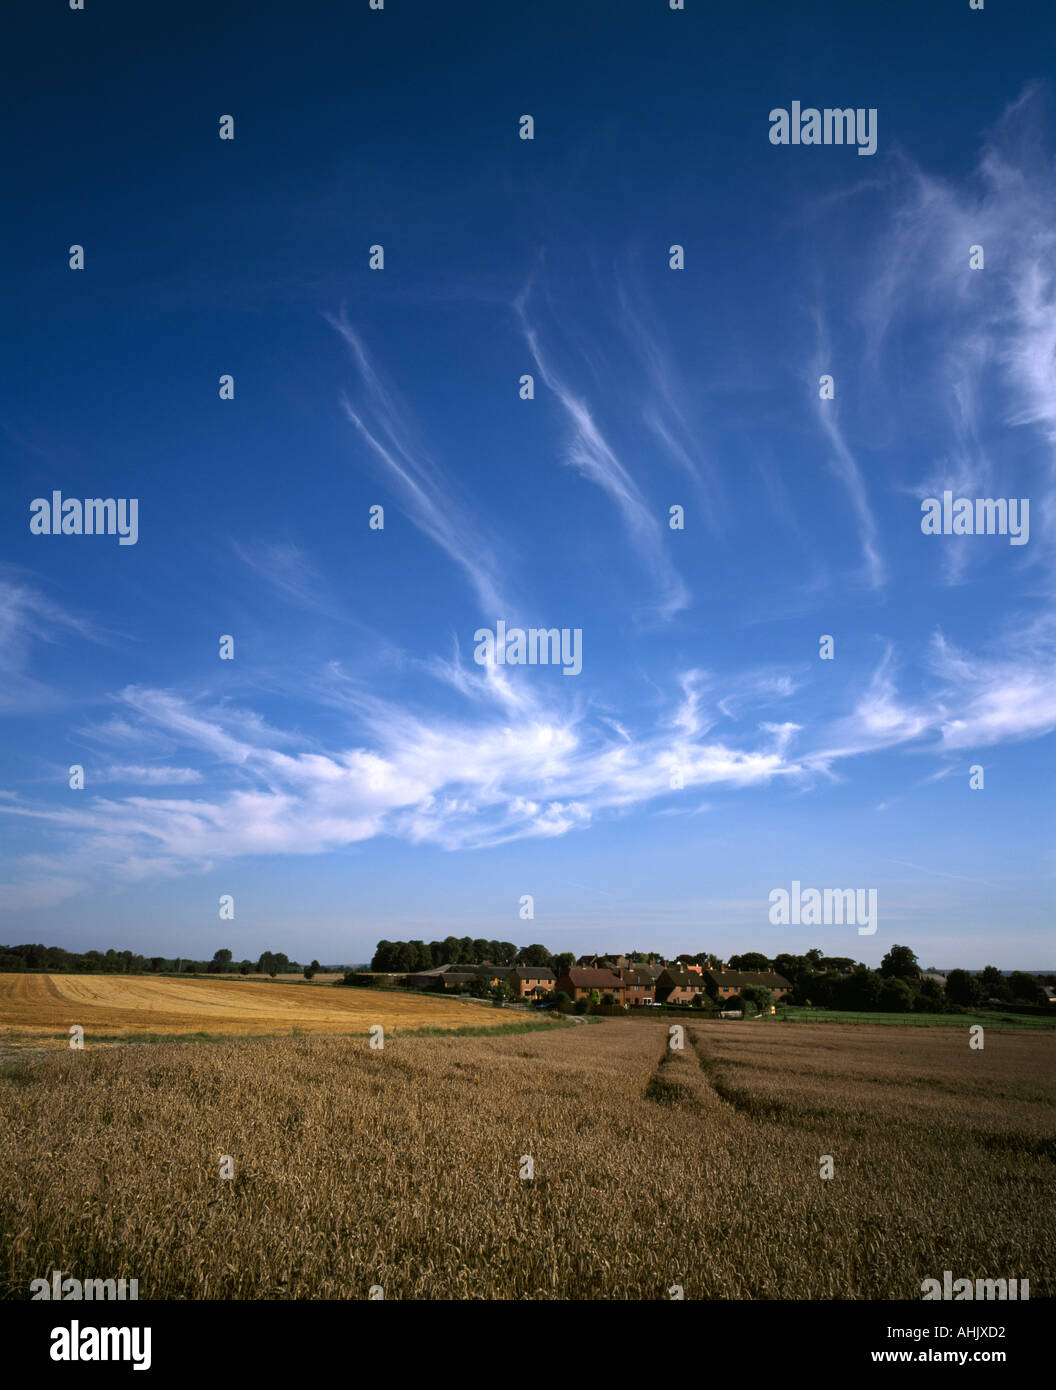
991,1019
324,977
652,1168
43,1008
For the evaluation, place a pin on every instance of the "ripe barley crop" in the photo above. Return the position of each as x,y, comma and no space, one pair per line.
652,1168
44,1006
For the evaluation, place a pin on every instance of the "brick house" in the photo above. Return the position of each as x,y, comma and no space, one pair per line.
641,987
529,981
730,982
675,986
577,984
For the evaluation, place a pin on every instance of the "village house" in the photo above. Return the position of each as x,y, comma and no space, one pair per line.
727,983
641,987
577,984
529,981
674,986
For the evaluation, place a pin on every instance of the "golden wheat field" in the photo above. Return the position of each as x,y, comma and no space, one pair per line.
653,1168
324,977
44,1007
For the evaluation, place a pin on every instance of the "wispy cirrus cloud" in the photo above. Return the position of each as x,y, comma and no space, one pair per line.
382,423
665,409
986,337
845,466
997,699
589,451
288,570
27,617
148,776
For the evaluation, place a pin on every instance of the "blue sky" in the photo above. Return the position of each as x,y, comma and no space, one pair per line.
353,773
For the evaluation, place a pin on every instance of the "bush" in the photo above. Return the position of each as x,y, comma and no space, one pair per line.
928,1004
757,998
895,996
581,1006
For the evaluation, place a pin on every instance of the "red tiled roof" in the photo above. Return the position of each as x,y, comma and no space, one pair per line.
594,979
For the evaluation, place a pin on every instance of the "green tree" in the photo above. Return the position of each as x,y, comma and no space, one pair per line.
220,961
934,991
404,958
382,958
896,997
842,964
758,997
900,963
534,955
751,960
418,952
859,991
962,989
992,983
501,992
1025,989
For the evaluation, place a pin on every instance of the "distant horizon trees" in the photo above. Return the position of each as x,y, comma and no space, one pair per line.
833,982
34,956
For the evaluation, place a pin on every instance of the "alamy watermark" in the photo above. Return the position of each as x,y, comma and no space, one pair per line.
71,1288
77,1343
533,646
806,125
979,516
958,1290
95,516
817,907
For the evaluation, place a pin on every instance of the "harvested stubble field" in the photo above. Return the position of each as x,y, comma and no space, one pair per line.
42,1008
652,1167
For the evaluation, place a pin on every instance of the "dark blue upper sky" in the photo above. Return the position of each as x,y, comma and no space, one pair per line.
353,773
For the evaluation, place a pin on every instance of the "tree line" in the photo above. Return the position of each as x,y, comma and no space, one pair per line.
405,957
899,985
39,957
